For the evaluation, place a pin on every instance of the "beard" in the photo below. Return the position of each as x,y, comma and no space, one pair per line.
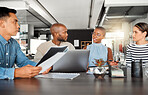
61,40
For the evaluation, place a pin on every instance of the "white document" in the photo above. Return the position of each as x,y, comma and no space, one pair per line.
59,75
76,43
49,62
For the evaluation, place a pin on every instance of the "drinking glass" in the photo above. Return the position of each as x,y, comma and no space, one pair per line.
146,69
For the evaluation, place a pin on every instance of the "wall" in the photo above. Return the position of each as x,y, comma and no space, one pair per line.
81,35
140,20
30,34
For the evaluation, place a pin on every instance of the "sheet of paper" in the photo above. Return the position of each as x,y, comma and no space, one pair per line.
49,62
59,75
76,43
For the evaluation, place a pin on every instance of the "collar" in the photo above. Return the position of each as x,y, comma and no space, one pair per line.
3,40
55,44
97,43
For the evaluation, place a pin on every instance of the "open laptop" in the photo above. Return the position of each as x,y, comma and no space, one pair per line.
72,61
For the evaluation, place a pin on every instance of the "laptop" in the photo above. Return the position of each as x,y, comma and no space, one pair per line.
73,61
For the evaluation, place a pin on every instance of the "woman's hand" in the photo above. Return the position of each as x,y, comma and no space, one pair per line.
114,63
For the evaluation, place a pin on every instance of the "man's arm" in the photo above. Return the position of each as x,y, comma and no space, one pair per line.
27,69
21,59
128,56
6,73
27,72
70,46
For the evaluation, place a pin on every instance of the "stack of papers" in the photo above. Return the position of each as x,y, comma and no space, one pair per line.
59,75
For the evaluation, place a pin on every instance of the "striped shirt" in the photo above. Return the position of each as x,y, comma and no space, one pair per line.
136,52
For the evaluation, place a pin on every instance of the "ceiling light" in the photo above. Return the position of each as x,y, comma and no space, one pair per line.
18,5
39,9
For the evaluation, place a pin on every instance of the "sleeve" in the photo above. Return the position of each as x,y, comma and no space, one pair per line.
7,73
88,47
38,57
71,47
128,56
39,54
21,59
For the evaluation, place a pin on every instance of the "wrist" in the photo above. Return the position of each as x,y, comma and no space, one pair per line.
16,75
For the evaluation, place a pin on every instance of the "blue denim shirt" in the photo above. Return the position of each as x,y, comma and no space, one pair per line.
10,54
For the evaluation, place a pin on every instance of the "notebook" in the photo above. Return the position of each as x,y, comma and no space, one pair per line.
51,52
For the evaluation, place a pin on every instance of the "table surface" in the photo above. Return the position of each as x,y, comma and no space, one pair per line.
82,85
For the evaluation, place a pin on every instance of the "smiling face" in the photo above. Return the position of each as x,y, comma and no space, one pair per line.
138,35
98,35
59,32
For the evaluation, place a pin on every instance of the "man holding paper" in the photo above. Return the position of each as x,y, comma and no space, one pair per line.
10,51
59,33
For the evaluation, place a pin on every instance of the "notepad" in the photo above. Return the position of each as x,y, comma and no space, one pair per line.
59,75
117,73
51,52
49,62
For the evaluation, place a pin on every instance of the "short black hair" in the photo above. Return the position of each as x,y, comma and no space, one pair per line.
4,11
102,29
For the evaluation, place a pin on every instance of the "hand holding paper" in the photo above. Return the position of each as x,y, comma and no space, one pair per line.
49,62
45,72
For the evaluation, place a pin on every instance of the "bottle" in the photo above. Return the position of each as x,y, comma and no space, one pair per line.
136,69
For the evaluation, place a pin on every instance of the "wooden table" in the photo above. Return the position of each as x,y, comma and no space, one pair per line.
82,85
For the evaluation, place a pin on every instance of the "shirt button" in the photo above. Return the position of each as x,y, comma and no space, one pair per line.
6,53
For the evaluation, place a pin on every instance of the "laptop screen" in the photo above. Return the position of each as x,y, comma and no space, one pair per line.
72,61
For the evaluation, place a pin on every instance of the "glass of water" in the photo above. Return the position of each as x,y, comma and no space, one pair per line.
146,69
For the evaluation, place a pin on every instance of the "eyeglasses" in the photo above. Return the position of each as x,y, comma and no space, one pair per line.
96,34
